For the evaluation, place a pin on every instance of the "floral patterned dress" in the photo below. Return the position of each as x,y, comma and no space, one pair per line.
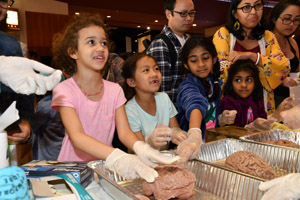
273,70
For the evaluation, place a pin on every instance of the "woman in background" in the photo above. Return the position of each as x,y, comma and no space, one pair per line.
283,22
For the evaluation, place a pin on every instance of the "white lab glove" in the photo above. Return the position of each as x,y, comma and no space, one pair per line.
22,75
129,166
285,187
286,104
261,123
291,117
178,135
227,117
150,156
159,137
190,148
289,82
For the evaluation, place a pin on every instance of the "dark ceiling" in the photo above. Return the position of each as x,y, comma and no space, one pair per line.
131,13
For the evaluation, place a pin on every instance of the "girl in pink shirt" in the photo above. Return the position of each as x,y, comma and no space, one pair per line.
91,107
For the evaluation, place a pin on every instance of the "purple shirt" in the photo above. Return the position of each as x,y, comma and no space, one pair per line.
241,105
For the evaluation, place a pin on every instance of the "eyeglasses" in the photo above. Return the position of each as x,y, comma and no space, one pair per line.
6,4
248,8
186,13
287,21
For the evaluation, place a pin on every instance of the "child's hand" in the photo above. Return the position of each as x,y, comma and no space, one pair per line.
159,137
129,166
227,117
289,82
178,135
261,123
150,156
190,148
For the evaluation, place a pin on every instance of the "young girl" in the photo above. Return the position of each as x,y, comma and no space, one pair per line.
199,94
243,93
91,107
151,114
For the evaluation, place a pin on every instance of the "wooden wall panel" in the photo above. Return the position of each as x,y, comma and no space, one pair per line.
40,30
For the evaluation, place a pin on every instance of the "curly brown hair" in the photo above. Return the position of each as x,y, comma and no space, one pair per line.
67,41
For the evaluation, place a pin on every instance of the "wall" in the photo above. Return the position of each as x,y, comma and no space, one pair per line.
41,6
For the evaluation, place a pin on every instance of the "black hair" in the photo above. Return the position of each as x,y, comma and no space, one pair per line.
170,5
278,9
128,71
243,65
256,33
200,40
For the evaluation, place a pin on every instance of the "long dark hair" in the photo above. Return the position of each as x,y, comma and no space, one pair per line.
278,9
243,65
128,71
192,43
256,33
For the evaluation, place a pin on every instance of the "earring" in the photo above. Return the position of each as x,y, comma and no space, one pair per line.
236,25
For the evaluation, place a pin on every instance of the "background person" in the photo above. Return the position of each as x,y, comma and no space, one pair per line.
245,37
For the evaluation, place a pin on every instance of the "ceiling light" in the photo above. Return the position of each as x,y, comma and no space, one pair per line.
148,27
156,21
108,16
77,13
138,26
194,24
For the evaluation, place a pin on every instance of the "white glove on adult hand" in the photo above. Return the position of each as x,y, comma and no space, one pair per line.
286,187
289,82
151,156
159,137
190,148
227,117
129,166
178,135
261,123
22,75
286,104
291,117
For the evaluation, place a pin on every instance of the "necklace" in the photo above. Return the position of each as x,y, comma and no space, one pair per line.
86,93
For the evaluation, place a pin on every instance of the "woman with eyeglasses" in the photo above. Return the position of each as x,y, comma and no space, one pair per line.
283,22
245,37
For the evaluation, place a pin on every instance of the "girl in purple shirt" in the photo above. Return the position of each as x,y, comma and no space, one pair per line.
243,96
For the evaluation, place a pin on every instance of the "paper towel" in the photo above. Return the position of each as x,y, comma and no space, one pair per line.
10,115
3,150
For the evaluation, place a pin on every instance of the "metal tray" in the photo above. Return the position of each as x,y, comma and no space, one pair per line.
293,136
283,160
212,182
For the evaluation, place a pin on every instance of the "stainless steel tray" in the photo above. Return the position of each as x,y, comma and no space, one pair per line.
293,136
213,182
283,160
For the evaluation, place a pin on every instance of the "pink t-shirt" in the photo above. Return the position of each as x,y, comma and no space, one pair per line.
97,118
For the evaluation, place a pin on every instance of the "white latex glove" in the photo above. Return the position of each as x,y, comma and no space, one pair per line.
286,104
178,135
190,148
159,137
227,117
291,117
22,75
129,166
261,123
289,82
150,156
285,187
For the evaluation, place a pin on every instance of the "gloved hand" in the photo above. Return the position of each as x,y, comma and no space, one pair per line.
261,124
129,166
286,104
291,117
289,82
285,187
227,117
159,137
150,156
19,74
178,135
190,148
